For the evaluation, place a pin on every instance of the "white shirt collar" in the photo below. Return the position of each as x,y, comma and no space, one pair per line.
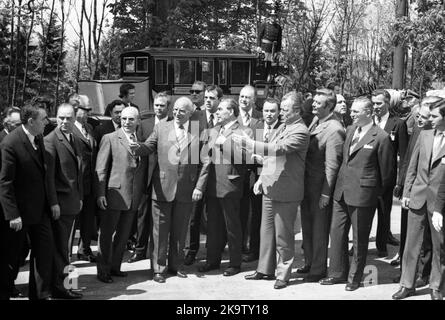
186,126
128,135
243,113
383,120
208,116
272,125
30,137
365,129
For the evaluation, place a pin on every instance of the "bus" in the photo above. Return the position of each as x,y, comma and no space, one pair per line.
152,70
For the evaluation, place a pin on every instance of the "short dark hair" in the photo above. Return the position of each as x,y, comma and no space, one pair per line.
124,89
232,105
330,95
111,106
383,92
29,111
218,90
272,100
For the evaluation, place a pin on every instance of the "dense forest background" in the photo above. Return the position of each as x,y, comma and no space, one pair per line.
349,42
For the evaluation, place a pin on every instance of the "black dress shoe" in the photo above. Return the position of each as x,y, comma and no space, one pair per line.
259,276
250,257
382,254
403,293
16,293
304,269
67,294
231,271
395,262
208,267
421,282
106,278
118,273
86,257
331,281
280,284
393,240
314,278
352,286
179,273
436,295
135,257
159,277
189,259
131,245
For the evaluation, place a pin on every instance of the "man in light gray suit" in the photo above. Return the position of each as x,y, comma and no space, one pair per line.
280,184
121,179
323,161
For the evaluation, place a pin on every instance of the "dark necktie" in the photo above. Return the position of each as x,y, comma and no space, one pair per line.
36,143
211,118
314,127
355,139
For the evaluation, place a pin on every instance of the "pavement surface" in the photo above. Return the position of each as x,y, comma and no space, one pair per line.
214,286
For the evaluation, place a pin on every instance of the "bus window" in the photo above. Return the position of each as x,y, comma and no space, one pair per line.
185,71
129,65
207,71
222,72
161,73
240,72
142,64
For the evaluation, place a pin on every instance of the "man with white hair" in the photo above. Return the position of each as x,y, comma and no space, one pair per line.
121,179
179,179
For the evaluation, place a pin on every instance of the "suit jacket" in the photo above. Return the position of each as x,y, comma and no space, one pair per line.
439,205
65,186
3,134
23,178
404,163
227,168
255,119
88,153
368,171
179,170
144,130
324,155
398,132
284,162
120,174
103,129
424,174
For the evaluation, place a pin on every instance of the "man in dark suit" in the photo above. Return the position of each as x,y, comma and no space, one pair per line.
250,118
282,190
65,192
197,94
24,198
224,189
207,120
262,132
341,112
422,182
365,174
121,181
323,160
113,110
161,106
127,93
88,152
178,180
397,131
10,122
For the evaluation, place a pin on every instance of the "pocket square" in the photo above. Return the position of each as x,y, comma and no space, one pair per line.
442,161
368,146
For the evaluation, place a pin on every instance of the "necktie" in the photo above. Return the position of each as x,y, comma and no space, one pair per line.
180,135
355,139
84,132
246,119
267,134
438,141
36,143
133,139
314,127
211,124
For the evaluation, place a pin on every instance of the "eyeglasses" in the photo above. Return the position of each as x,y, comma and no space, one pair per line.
195,91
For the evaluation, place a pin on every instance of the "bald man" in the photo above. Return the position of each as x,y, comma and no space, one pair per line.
121,180
178,180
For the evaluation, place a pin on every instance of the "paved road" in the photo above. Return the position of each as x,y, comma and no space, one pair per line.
214,286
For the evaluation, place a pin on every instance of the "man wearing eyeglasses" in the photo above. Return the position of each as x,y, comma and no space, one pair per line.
197,94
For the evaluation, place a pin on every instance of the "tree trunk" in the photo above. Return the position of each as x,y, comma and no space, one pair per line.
398,78
79,52
45,48
113,28
11,50
17,48
28,39
62,36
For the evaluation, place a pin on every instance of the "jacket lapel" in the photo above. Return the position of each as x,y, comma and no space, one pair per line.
65,142
29,147
389,124
368,138
124,141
